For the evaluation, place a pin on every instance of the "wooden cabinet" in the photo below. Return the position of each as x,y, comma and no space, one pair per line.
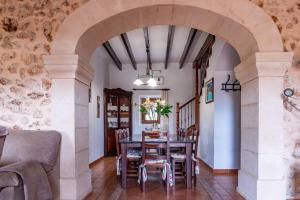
117,115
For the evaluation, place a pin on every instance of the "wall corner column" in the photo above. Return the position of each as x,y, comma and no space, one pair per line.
71,77
261,174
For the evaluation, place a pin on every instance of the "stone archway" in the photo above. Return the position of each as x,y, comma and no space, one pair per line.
245,26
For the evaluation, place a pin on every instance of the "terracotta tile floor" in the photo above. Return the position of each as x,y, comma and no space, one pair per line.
106,186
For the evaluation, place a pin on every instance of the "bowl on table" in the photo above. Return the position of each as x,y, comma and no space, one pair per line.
154,134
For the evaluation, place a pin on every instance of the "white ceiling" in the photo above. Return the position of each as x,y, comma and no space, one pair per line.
158,42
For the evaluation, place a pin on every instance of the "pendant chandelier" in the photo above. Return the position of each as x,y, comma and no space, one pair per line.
148,78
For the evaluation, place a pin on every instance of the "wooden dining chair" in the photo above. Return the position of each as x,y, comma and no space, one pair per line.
178,158
151,160
133,156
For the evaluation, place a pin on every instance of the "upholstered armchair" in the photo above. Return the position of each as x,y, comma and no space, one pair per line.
41,147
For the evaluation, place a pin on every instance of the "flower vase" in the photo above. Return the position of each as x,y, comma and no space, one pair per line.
155,127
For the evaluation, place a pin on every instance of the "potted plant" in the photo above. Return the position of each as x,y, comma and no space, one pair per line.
155,109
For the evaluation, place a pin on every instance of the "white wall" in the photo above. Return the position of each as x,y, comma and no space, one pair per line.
96,125
220,120
179,81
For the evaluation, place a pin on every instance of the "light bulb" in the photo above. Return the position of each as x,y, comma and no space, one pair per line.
152,82
138,82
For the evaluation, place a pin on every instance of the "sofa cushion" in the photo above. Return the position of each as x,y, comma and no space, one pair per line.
27,145
9,179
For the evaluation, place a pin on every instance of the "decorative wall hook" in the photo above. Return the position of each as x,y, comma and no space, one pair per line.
288,92
235,86
287,95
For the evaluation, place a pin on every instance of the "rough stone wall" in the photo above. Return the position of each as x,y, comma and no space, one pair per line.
286,15
27,28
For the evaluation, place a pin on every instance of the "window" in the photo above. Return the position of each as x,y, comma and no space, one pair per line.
146,119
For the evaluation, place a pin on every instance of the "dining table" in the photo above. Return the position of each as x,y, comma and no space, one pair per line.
175,141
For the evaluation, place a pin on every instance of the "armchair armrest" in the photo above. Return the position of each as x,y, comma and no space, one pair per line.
9,179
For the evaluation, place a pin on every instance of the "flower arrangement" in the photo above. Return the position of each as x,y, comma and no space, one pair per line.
155,108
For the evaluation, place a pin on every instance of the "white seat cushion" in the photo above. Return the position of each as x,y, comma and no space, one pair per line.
160,161
132,153
178,155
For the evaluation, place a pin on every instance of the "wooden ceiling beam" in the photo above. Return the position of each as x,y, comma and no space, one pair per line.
169,44
127,45
187,47
210,40
112,54
147,42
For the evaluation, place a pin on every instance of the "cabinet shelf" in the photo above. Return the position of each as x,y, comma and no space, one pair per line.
117,108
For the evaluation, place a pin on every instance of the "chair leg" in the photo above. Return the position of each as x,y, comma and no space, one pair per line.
141,180
194,174
143,184
173,170
168,180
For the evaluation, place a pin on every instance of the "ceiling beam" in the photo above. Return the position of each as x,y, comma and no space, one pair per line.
112,54
127,45
187,47
205,47
147,42
169,44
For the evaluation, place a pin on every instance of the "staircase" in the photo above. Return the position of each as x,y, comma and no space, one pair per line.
185,114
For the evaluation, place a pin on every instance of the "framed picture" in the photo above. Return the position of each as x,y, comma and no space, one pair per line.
98,106
209,91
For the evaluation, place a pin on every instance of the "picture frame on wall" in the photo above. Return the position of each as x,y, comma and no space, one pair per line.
209,85
98,106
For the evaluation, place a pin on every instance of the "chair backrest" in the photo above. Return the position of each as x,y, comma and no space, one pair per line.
196,138
180,132
119,135
125,132
162,146
189,132
192,133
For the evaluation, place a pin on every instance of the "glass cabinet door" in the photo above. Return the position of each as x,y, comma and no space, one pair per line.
112,111
124,107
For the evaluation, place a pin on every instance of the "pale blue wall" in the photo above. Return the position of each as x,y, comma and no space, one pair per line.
96,125
220,120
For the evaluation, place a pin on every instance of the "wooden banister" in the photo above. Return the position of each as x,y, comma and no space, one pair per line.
187,114
185,104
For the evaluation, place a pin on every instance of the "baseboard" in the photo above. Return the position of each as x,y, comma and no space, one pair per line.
242,194
95,162
219,171
225,171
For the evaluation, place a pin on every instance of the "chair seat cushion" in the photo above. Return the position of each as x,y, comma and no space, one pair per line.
9,179
178,156
159,161
132,153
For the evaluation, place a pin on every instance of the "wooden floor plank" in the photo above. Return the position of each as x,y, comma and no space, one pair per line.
209,187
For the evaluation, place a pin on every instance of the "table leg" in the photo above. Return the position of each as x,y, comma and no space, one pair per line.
188,151
124,164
